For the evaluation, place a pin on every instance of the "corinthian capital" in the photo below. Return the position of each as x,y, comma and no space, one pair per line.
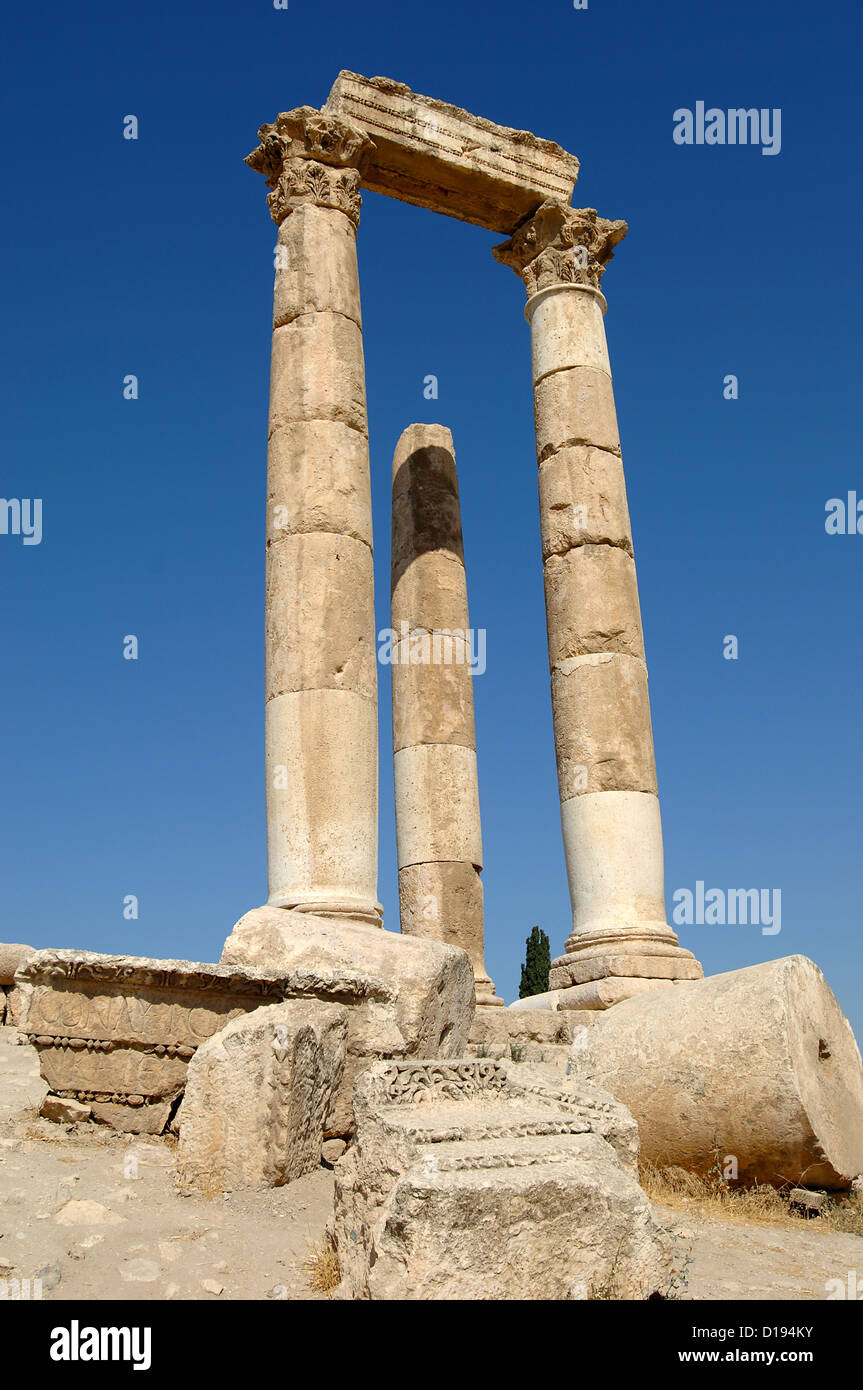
308,155
561,245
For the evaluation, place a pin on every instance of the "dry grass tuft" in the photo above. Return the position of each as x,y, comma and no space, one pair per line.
713,1196
322,1267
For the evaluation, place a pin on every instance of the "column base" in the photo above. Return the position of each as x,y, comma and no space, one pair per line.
485,995
601,968
343,910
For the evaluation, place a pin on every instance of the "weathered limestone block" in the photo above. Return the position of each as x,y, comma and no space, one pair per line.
2,1006
431,583
316,266
444,901
760,1063
64,1111
567,331
436,792
520,1025
438,156
616,841
602,728
467,1181
259,1096
318,480
322,844
582,501
320,586
420,996
317,372
117,1032
432,690
575,407
591,599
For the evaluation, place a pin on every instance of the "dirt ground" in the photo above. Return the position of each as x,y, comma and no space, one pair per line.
98,1215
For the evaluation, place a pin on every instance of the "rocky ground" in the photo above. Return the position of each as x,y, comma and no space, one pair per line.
99,1215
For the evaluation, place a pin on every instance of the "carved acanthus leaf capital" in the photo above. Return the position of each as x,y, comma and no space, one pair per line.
561,245
308,155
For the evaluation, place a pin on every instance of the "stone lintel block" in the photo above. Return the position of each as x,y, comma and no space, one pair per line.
317,372
437,156
429,590
318,747
582,501
567,330
602,729
443,902
318,480
575,407
432,690
591,603
437,804
600,994
320,615
316,266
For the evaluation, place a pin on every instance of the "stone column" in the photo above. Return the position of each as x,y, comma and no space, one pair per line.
434,747
620,943
321,674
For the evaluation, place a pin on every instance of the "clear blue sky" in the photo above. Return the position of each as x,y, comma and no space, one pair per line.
154,257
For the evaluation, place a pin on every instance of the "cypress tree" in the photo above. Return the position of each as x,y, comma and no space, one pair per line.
537,963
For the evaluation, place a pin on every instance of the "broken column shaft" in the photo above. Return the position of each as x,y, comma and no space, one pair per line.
438,836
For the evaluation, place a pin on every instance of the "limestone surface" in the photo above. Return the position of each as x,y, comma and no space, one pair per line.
465,1181
259,1096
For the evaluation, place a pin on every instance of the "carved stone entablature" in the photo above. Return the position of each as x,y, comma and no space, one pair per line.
118,1032
404,1083
308,155
561,245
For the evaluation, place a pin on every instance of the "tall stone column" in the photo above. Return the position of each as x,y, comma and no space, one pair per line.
438,838
321,673
620,943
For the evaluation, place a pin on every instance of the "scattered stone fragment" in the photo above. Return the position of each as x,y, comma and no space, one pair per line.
139,1271
259,1096
332,1150
64,1110
86,1213
212,1286
806,1203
